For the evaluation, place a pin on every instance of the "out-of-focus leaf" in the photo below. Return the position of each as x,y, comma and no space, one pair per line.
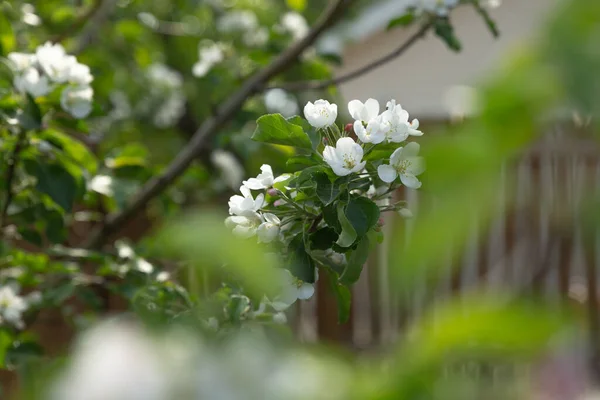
298,5
7,39
31,118
302,265
356,261
343,297
74,149
403,20
491,24
55,181
445,31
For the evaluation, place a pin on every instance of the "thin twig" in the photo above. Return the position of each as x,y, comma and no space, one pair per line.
79,23
10,176
211,126
323,84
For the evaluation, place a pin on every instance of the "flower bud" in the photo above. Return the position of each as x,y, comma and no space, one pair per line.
325,141
278,203
273,192
349,128
380,222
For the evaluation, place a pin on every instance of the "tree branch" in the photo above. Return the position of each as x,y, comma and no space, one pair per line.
320,84
10,176
211,126
79,22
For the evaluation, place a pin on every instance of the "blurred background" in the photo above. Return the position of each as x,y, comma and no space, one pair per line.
485,287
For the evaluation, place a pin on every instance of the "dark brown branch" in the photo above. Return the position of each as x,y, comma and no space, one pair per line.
211,126
79,23
10,176
323,84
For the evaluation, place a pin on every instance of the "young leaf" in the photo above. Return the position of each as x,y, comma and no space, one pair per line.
348,234
356,261
403,20
71,147
275,129
302,265
362,214
445,31
327,191
55,181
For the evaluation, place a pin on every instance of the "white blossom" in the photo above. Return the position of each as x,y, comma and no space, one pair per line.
238,21
367,122
31,82
292,289
245,224
321,114
79,74
164,77
400,117
279,101
170,110
143,266
404,163
405,213
163,276
21,61
345,158
208,57
29,15
77,100
268,230
54,61
264,180
238,205
102,184
295,24
231,170
12,306
257,37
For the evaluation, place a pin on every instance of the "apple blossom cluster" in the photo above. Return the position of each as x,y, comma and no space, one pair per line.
50,67
12,307
371,128
327,213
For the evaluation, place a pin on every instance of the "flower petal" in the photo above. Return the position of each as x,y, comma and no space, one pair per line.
387,173
306,291
416,165
397,156
411,150
372,109
355,108
410,181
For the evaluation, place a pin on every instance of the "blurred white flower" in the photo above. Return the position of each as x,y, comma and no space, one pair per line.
102,184
54,61
279,101
208,57
21,61
163,276
115,361
231,170
144,266
264,180
77,100
321,114
257,37
12,306
245,224
33,298
405,163
405,213
79,74
345,158
238,21
31,82
268,230
170,111
164,77
461,101
295,24
291,290
29,16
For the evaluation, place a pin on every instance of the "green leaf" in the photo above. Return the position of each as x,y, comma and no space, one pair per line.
75,150
327,191
302,265
356,261
31,118
362,214
343,297
445,31
7,38
298,5
55,181
31,236
300,162
348,234
275,129
323,239
403,20
5,343
491,24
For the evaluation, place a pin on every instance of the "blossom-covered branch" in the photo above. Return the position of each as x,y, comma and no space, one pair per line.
323,84
212,125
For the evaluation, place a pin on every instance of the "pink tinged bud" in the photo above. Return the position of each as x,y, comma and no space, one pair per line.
380,222
272,192
278,203
325,140
349,128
